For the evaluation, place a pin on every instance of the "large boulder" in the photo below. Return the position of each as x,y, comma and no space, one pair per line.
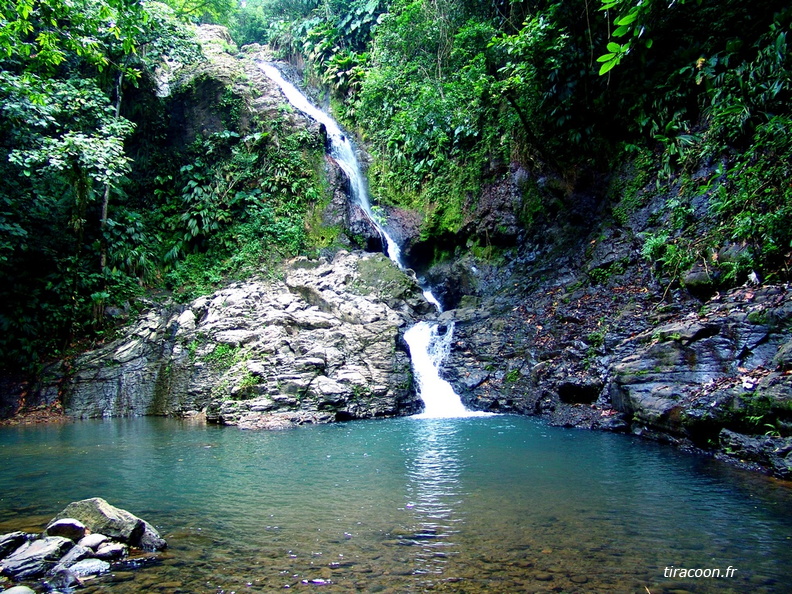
324,345
99,516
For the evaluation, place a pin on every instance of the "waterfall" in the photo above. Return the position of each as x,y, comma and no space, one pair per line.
342,152
428,346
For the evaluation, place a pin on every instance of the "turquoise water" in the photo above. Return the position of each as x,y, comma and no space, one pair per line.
494,504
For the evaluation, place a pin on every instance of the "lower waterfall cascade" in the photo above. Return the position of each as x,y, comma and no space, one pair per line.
428,345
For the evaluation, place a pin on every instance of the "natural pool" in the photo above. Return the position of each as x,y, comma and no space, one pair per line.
482,504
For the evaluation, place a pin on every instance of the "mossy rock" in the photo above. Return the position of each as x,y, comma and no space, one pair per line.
378,275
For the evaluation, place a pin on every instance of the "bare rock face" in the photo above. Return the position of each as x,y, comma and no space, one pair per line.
321,345
326,348
720,368
715,378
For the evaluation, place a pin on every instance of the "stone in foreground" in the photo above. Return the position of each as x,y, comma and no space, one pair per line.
11,542
35,558
19,590
67,528
99,516
90,567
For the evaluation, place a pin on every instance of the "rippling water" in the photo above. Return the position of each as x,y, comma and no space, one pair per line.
485,504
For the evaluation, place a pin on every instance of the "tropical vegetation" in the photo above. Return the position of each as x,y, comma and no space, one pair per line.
447,96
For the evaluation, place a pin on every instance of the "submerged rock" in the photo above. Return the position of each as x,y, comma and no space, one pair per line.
90,567
63,578
19,590
151,541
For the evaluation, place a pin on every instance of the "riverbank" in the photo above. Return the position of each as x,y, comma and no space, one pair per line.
701,376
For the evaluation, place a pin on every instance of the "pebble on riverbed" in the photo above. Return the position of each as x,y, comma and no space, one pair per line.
80,542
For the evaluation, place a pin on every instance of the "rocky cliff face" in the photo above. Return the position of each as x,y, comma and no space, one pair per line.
573,326
321,345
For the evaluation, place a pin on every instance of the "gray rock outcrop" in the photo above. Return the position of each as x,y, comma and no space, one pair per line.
98,516
320,345
716,378
35,558
709,370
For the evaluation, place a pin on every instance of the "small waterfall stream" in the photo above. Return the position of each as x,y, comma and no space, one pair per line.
428,346
342,152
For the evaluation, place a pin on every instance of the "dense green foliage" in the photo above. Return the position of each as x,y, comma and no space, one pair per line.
98,200
448,94
63,160
237,206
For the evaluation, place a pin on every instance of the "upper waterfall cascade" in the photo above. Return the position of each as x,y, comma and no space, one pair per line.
428,346
342,152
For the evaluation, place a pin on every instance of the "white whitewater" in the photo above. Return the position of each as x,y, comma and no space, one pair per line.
428,347
341,150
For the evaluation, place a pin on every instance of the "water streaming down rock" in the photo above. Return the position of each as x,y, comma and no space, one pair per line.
342,151
428,346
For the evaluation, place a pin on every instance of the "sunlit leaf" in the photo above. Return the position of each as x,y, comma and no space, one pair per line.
607,66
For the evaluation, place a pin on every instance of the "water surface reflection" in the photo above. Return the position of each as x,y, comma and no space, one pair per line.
487,504
434,491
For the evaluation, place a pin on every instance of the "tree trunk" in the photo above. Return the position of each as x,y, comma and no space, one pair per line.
108,185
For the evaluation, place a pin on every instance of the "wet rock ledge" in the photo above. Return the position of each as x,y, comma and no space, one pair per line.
83,541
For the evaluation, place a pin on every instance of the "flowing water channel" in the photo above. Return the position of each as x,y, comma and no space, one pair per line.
484,504
342,152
